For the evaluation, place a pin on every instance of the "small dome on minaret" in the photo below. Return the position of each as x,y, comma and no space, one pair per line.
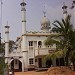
74,1
64,8
73,4
23,3
7,28
45,23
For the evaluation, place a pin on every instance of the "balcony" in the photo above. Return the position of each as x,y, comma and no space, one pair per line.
44,50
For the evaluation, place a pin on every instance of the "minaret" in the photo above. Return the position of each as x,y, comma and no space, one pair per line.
23,10
23,45
64,11
6,43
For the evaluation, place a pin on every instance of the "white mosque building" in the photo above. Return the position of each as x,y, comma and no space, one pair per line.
30,49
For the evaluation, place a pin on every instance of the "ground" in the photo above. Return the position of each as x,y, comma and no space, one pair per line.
51,71
30,73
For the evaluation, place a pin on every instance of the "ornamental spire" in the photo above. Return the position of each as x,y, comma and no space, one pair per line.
44,11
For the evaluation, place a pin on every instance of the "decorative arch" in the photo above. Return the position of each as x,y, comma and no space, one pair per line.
15,64
14,59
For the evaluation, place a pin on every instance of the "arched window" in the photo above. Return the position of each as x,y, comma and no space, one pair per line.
39,44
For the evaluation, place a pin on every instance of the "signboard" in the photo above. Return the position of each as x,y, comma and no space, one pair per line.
51,51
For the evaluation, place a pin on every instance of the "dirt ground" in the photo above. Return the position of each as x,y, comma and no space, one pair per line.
62,70
34,73
30,73
51,71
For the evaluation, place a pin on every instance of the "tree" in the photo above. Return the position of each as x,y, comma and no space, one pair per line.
72,53
11,43
2,59
66,38
1,47
2,63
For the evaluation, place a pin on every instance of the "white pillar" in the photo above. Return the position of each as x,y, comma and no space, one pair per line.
24,43
6,43
25,57
65,15
64,11
33,53
22,66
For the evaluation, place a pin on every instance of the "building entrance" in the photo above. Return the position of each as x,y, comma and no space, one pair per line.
40,62
16,65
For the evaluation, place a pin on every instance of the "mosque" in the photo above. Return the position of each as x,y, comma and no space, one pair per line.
30,49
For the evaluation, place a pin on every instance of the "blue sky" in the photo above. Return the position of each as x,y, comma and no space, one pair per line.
11,12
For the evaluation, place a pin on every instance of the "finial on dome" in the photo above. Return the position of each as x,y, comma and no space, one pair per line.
44,12
64,6
64,3
7,26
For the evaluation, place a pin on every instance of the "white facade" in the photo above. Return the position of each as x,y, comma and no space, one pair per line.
35,49
30,48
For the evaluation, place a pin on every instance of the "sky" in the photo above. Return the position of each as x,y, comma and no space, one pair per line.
11,12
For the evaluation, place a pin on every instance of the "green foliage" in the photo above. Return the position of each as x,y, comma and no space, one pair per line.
49,41
72,55
66,39
2,48
2,63
2,66
11,43
65,28
2,60
56,54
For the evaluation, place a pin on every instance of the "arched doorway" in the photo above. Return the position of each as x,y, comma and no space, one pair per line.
48,63
16,65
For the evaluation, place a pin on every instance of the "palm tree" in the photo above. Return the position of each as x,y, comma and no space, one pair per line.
11,43
66,38
72,47
57,54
